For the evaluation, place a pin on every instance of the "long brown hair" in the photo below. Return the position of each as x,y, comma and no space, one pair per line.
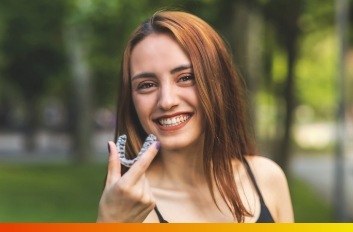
221,93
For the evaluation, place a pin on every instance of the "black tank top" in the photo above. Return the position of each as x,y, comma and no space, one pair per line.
265,215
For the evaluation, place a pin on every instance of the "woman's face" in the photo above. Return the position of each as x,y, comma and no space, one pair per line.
164,92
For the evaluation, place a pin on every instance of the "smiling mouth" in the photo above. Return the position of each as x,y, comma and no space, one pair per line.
174,121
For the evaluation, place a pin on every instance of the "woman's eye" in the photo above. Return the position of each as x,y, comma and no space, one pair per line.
187,78
145,85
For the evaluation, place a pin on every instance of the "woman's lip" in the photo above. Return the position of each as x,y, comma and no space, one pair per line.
176,127
173,115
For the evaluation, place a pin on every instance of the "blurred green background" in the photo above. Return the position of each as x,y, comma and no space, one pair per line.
59,64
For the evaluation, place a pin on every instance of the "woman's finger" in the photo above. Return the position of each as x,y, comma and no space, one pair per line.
114,168
139,168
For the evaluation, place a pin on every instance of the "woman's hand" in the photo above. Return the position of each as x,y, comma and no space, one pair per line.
127,198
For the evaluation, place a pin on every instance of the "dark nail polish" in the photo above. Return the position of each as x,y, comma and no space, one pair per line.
158,145
108,148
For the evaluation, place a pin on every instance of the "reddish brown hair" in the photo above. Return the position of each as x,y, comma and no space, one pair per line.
221,93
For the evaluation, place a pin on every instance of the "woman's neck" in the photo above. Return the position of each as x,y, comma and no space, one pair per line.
178,168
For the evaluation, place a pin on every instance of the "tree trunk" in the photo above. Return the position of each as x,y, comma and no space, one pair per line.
81,113
31,125
284,152
290,31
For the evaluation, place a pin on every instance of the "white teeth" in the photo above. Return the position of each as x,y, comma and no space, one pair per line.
173,121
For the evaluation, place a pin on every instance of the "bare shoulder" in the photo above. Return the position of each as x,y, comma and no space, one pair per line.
273,185
269,175
266,169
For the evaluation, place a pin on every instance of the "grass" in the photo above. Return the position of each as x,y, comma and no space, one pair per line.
50,193
307,205
68,193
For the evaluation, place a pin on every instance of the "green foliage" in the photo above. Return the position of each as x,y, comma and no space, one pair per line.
316,74
316,63
31,44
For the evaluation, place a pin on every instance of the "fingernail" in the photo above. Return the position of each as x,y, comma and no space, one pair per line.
108,148
158,145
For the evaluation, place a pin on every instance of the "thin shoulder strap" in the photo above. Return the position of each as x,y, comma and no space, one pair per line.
159,215
252,177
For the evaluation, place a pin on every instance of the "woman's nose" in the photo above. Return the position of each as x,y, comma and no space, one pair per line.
168,97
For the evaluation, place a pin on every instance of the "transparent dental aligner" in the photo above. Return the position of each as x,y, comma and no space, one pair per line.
121,148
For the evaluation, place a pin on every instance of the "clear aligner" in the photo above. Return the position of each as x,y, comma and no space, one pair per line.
121,148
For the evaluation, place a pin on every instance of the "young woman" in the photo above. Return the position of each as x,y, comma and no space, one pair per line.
179,84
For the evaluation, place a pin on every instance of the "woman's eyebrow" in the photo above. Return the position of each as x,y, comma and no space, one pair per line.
143,75
150,74
180,68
